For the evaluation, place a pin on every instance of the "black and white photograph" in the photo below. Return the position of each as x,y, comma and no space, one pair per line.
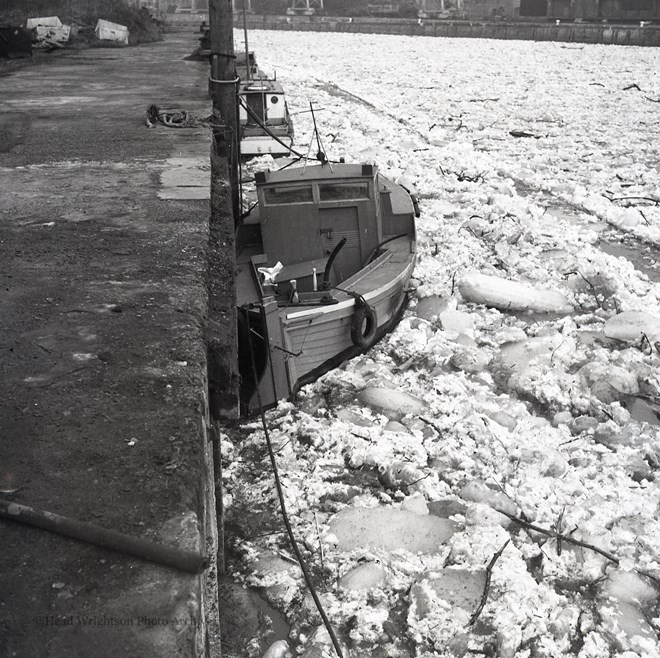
329,328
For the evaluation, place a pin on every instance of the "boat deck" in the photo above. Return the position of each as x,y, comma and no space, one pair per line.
384,269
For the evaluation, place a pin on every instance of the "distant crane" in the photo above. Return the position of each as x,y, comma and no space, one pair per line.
305,7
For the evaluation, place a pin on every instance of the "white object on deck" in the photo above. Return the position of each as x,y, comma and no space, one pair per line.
511,295
107,31
270,273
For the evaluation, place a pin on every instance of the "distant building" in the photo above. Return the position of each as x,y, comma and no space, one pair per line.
566,10
437,8
305,7
612,10
171,6
563,10
492,9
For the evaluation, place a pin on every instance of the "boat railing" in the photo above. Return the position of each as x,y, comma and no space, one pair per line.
381,259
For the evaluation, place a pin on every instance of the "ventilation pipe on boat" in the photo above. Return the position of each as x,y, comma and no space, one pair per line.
328,267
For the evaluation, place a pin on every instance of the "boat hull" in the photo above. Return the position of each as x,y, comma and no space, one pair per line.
307,342
265,145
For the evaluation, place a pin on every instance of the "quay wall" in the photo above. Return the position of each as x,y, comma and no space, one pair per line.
572,32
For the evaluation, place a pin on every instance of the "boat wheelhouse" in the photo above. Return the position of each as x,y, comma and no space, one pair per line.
265,124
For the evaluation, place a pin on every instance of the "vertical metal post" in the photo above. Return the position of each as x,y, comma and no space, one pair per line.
245,38
221,322
223,69
222,341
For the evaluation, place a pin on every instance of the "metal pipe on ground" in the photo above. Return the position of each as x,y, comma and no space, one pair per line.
168,556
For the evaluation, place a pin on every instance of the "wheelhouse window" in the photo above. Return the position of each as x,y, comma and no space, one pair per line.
279,195
343,191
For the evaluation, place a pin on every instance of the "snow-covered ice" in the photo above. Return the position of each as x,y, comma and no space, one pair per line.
470,413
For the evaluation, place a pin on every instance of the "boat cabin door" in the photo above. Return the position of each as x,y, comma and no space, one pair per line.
338,223
256,102
347,210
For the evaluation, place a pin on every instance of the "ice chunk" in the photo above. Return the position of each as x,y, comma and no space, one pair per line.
630,587
608,382
395,426
562,418
562,625
392,403
541,349
503,418
270,563
390,529
478,492
416,504
321,646
446,508
633,325
279,649
630,622
353,418
429,307
470,360
582,424
511,295
400,474
457,321
459,587
364,576
627,218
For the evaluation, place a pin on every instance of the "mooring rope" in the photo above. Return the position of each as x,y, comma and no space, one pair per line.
280,494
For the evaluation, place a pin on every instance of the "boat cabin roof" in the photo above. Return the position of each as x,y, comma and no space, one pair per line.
315,173
241,58
260,85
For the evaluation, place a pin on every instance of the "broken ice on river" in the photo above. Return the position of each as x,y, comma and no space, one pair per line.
522,383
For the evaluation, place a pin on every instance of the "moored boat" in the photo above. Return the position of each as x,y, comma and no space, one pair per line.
264,120
323,263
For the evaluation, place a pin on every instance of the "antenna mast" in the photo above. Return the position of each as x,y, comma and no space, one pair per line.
245,38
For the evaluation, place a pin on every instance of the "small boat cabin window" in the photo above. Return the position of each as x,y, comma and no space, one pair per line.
278,195
343,191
